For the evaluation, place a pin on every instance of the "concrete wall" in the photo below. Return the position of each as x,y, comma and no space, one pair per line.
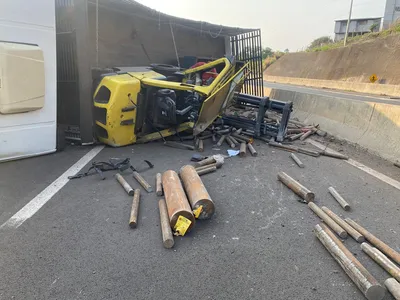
373,126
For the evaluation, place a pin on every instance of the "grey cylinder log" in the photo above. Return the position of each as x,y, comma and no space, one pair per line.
296,187
297,160
252,150
350,230
394,287
332,224
159,190
381,260
366,283
243,148
124,184
167,237
135,209
221,140
343,203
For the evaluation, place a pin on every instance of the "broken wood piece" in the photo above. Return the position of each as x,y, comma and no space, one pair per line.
367,284
375,241
128,189
297,160
252,150
394,287
350,230
179,145
243,148
221,140
296,187
166,232
328,220
159,190
382,260
200,147
343,203
135,209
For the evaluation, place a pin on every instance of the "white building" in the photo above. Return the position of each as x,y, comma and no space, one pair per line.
357,26
392,13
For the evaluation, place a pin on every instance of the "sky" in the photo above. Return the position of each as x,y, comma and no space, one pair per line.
285,24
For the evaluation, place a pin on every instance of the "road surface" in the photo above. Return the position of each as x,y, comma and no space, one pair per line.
259,245
332,93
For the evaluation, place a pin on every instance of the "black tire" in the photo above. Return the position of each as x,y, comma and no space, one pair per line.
166,70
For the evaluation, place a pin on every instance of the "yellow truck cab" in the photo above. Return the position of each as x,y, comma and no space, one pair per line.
139,105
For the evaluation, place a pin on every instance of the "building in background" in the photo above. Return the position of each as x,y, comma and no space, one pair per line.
392,13
357,26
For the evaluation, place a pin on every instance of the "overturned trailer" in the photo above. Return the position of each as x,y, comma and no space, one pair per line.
105,36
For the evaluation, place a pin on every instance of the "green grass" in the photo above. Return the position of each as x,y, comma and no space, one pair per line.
393,30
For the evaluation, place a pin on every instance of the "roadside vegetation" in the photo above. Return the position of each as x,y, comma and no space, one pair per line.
325,43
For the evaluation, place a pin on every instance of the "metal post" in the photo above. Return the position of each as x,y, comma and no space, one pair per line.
348,24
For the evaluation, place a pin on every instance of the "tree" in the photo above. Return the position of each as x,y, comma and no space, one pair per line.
374,27
286,50
323,40
267,52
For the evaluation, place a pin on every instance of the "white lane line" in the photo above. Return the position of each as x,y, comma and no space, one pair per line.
358,165
36,203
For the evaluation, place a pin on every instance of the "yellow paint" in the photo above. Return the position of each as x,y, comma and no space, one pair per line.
182,225
198,211
120,86
373,78
166,132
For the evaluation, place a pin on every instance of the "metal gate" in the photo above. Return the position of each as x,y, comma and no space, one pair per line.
247,48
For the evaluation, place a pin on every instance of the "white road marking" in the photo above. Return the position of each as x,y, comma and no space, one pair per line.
358,165
36,203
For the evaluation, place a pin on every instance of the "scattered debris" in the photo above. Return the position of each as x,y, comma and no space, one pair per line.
297,160
135,209
335,155
296,187
206,170
343,203
328,220
368,285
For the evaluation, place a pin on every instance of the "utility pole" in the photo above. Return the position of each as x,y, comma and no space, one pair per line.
348,24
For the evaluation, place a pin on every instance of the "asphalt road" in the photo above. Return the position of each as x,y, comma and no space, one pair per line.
259,245
332,93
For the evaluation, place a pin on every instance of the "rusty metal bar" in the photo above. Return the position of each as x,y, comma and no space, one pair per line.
381,260
135,209
296,187
394,287
159,190
204,171
297,160
331,223
367,284
234,140
202,205
230,142
124,184
175,198
167,237
142,181
205,162
375,241
343,203
350,230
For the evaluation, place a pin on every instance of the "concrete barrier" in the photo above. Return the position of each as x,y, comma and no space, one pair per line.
361,87
374,126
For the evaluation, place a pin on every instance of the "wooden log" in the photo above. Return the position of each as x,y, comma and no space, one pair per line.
296,187
375,241
343,203
334,154
297,160
306,135
204,162
234,140
243,148
200,201
166,232
221,140
367,284
297,136
229,142
175,198
128,189
394,287
133,220
252,150
382,260
308,152
332,224
206,170
159,190
201,146
350,230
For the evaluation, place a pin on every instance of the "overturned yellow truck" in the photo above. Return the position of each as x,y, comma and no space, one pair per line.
138,104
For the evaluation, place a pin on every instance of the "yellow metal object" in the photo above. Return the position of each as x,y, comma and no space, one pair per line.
118,108
198,211
182,225
166,132
373,78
